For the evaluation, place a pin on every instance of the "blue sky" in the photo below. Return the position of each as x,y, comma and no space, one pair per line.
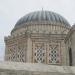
12,10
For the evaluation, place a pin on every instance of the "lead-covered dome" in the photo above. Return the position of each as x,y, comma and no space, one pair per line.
42,16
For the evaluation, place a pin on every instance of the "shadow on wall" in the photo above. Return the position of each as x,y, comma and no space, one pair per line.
70,56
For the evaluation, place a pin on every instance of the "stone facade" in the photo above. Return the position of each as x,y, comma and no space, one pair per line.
70,44
21,46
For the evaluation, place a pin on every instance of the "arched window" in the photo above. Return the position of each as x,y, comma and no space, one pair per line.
54,53
70,56
39,55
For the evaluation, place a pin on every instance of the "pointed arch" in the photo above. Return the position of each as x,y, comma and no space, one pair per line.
70,56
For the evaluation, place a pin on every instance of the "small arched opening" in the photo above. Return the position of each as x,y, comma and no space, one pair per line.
70,56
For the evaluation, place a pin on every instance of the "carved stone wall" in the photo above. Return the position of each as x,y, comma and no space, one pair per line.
37,43
16,48
70,46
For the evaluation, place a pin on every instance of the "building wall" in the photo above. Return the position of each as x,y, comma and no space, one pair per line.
16,48
70,44
22,44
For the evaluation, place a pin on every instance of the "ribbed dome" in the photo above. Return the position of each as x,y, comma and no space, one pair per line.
42,16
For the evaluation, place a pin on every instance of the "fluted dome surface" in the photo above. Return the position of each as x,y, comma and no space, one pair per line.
42,16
